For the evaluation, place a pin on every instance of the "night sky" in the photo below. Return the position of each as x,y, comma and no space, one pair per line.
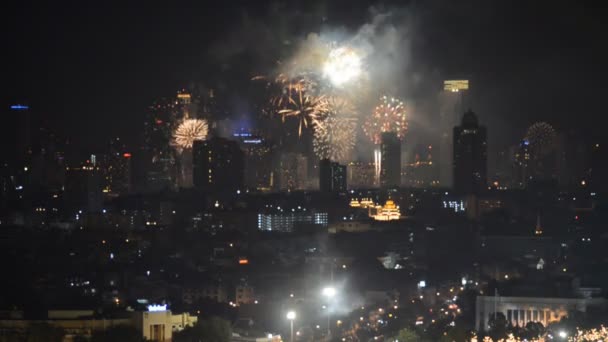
90,70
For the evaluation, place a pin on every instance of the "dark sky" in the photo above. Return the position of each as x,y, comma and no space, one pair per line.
91,69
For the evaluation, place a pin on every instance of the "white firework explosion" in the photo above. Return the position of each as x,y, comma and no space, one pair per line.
335,138
188,131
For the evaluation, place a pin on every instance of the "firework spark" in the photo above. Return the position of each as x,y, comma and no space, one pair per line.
388,116
335,138
296,100
188,131
343,65
541,137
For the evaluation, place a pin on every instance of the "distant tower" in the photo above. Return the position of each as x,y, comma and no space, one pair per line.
390,149
452,103
332,176
470,156
538,230
218,165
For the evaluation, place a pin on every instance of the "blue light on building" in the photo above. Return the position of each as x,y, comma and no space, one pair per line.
19,107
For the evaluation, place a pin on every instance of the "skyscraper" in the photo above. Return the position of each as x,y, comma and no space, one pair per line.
332,176
390,149
452,102
258,159
218,165
470,155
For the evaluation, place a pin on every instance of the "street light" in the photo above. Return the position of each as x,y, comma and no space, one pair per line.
329,292
291,315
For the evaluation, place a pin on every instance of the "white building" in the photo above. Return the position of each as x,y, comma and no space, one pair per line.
521,310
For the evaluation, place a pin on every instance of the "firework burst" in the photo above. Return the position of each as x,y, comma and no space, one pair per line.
335,138
335,135
541,137
188,131
388,116
297,100
343,65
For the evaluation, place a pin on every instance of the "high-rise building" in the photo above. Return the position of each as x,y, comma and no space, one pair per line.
83,189
521,161
390,149
470,155
116,168
218,165
158,155
292,171
332,176
15,134
258,159
452,101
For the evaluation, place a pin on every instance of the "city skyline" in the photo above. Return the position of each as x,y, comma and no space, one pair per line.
80,97
318,171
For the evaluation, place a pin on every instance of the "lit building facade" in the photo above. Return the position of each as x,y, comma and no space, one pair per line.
285,221
218,165
470,156
521,310
390,149
156,324
387,212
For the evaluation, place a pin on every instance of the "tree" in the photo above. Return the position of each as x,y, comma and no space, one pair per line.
213,329
406,335
534,330
117,333
498,326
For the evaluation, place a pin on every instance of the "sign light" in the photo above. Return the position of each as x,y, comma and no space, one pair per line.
157,308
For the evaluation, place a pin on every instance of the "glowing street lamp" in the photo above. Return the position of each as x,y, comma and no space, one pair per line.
329,292
291,315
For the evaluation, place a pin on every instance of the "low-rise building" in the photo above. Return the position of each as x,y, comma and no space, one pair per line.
156,324
521,310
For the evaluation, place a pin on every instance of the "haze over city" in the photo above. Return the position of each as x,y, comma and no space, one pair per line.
317,171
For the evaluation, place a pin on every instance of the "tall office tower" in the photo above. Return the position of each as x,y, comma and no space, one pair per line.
470,155
332,176
116,169
390,150
218,165
159,157
521,160
258,159
83,189
292,171
452,100
15,134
